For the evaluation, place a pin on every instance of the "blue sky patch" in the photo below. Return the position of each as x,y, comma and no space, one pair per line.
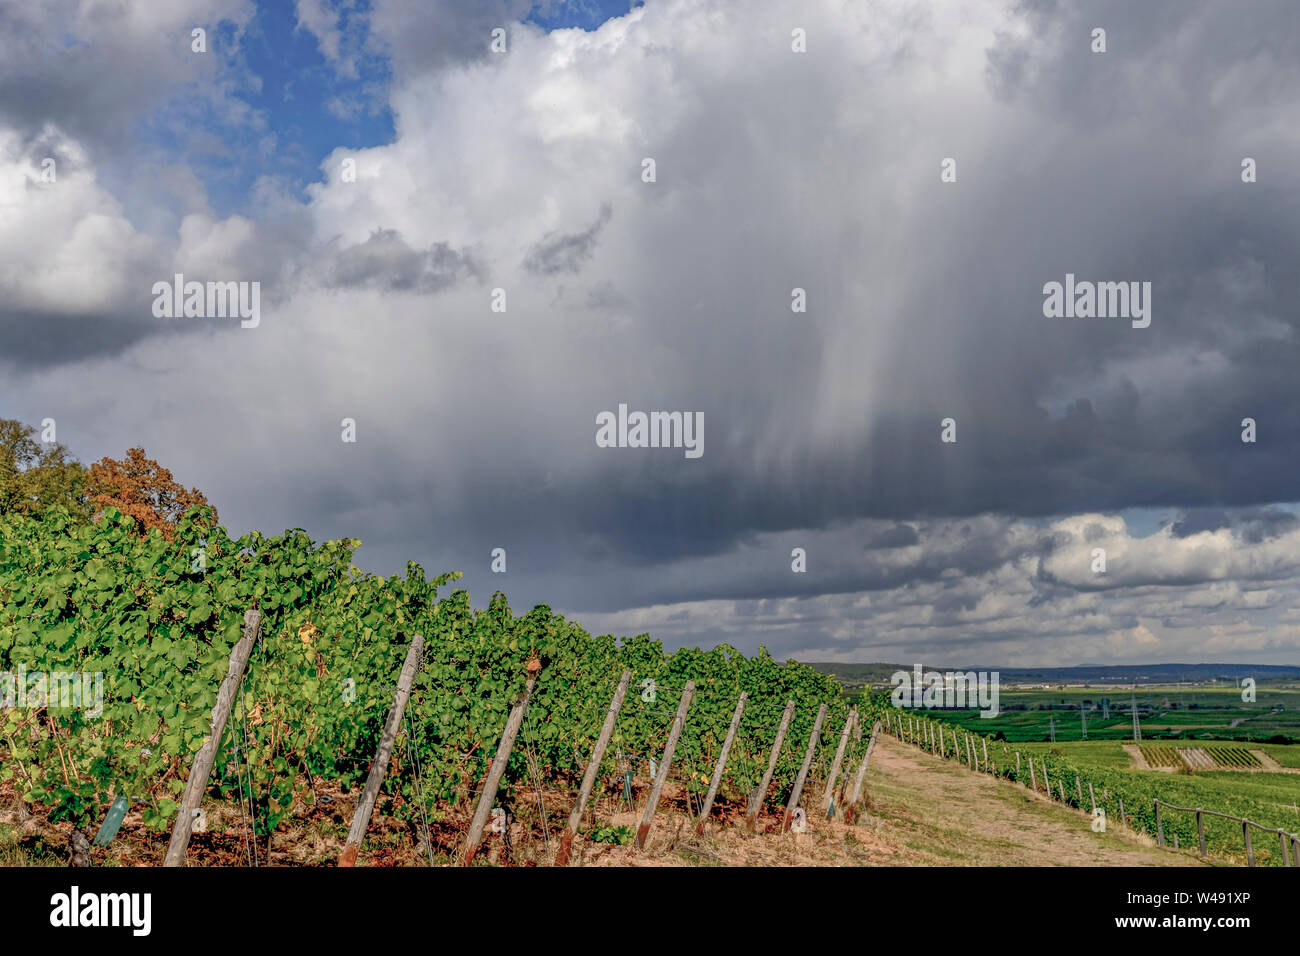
302,106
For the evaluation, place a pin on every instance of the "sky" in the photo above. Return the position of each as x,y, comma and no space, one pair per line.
921,170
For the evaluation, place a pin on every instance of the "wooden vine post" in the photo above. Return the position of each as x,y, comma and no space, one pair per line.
722,762
828,798
803,769
759,795
498,768
379,766
851,810
679,721
593,768
202,766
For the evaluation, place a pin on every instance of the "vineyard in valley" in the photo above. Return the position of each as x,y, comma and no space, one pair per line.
1160,757
155,619
1218,758
1199,758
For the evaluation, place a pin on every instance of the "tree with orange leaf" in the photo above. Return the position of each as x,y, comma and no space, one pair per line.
142,489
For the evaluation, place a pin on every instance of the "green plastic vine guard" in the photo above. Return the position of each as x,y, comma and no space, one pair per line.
112,823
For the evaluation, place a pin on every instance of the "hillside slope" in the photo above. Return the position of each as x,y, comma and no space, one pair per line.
943,814
920,811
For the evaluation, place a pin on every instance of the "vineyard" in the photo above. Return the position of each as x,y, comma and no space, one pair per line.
1199,758
1126,798
155,621
1161,756
1187,715
1219,758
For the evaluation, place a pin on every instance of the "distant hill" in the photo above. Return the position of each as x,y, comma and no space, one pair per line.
856,676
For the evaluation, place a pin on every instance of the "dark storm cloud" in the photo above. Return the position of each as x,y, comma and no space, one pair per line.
1053,416
898,536
1254,525
1266,524
1197,520
35,339
386,262
555,254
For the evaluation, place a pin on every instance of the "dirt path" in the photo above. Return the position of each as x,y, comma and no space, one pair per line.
1139,761
920,811
948,815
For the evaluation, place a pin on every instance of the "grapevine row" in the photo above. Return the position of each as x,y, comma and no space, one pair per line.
158,619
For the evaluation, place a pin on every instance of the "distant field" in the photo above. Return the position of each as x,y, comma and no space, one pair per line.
1212,723
1111,754
1271,798
1165,713
854,676
1222,790
1286,755
1088,753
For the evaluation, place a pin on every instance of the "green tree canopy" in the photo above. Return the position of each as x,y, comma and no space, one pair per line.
35,475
